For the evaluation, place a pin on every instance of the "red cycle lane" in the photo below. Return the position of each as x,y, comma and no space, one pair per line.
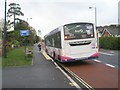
96,74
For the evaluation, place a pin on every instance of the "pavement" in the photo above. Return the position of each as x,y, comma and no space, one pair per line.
42,74
109,51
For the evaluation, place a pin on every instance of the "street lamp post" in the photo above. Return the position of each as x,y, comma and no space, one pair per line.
95,15
5,31
96,23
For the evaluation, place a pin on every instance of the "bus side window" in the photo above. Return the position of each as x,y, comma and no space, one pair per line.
53,42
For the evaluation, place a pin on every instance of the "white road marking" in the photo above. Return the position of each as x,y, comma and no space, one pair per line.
96,60
110,65
106,53
111,51
105,64
72,81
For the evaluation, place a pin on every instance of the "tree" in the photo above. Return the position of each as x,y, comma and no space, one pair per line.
15,35
1,24
32,37
22,25
14,11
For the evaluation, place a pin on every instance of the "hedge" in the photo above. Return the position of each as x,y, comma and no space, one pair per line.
112,43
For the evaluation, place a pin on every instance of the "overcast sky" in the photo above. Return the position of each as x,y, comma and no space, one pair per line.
49,14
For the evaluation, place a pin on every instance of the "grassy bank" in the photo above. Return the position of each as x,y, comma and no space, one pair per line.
16,57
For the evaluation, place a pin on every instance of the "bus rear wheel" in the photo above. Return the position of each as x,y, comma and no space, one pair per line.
54,57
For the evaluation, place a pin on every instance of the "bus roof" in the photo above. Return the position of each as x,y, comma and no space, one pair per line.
52,32
78,23
57,29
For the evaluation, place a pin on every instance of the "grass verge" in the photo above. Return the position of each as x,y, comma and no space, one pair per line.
16,57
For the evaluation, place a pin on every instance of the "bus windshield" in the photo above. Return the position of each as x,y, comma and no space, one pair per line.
78,31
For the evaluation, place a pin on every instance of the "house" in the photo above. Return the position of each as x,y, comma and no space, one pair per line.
100,30
109,31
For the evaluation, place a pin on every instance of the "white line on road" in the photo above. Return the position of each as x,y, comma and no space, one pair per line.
96,60
106,53
105,64
110,65
76,85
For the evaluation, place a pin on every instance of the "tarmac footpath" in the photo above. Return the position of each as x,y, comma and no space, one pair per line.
42,74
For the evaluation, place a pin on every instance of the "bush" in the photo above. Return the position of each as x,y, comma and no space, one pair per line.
16,43
8,48
112,43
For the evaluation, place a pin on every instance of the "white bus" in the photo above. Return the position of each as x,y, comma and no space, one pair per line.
72,42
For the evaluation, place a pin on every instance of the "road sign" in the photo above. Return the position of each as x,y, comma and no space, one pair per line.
24,32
